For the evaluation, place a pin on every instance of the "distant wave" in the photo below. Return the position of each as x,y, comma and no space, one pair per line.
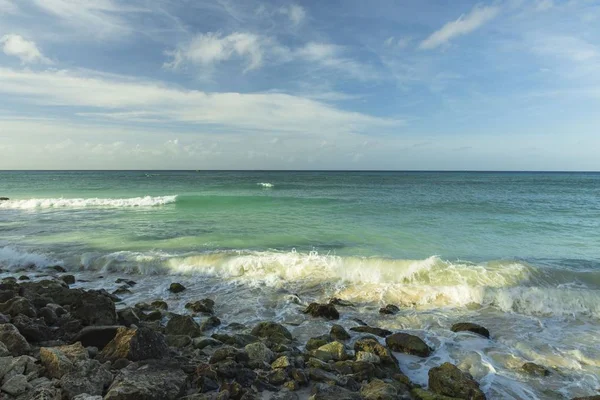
30,204
265,184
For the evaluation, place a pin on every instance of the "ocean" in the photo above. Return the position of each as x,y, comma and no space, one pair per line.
516,252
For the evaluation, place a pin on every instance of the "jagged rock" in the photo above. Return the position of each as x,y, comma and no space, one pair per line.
339,333
148,381
183,325
61,359
535,369
470,327
342,303
320,375
378,390
68,279
176,288
331,392
282,362
160,305
318,341
278,376
260,353
128,317
13,340
202,342
22,365
97,336
45,393
450,381
327,311
210,323
48,314
154,315
372,330
409,344
58,310
136,345
94,308
202,306
16,385
18,305
87,376
4,350
389,309
368,357
178,341
335,351
122,290
229,353
275,333
370,345
34,330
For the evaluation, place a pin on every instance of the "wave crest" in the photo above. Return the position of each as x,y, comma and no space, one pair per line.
30,204
265,184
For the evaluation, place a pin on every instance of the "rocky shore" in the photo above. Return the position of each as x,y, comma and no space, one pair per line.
58,342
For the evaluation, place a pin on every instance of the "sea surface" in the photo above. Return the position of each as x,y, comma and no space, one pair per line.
518,253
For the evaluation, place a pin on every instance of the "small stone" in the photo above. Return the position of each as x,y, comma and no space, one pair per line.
535,369
176,288
339,333
48,315
160,305
470,327
128,317
24,278
178,341
318,341
368,357
370,345
68,279
450,381
60,360
148,380
372,330
97,336
327,311
389,309
153,315
409,344
210,323
326,391
202,342
57,268
126,281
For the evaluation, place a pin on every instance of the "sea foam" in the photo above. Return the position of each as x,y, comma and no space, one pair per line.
29,204
265,184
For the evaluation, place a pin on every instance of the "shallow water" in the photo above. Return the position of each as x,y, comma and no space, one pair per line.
516,252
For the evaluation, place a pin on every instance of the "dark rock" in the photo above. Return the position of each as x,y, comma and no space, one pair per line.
389,309
330,392
68,279
154,315
210,323
326,311
148,381
229,353
372,330
4,199
378,390
205,306
339,302
126,281
409,344
259,353
467,326
275,333
120,363
13,340
183,325
49,315
18,305
34,330
94,308
318,341
371,345
4,319
136,345
178,341
58,268
97,336
176,288
339,333
450,381
89,377
160,305
16,385
277,377
202,342
58,310
535,369
128,317
122,290
24,278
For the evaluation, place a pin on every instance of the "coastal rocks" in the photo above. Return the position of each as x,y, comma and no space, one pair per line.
340,302
16,385
325,391
87,377
378,390
370,345
178,341
389,309
68,279
327,311
339,333
282,362
335,351
94,308
318,341
4,199
18,305
272,331
176,288
128,317
259,353
135,345
13,340
97,336
238,340
183,325
372,330
409,344
148,381
60,360
535,369
365,356
206,306
450,381
34,330
470,327
210,323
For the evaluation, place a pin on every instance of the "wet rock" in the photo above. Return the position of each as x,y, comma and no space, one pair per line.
13,340
339,302
327,311
335,351
210,323
57,268
178,341
339,333
372,330
126,281
4,350
97,336
135,344
422,394
229,353
202,342
370,345
128,317
450,381
378,390
57,309
160,305
16,385
275,333
123,290
34,330
94,308
409,344
277,377
4,199
154,315
87,377
368,357
318,341
61,359
18,305
282,362
260,353
24,278
176,288
205,306
47,393
331,392
470,327
48,314
389,309
535,369
148,381
183,325
68,279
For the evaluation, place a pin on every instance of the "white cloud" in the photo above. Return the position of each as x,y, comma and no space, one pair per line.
8,7
569,48
211,48
463,25
25,50
331,57
399,43
295,13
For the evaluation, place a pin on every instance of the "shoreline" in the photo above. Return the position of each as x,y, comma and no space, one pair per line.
64,342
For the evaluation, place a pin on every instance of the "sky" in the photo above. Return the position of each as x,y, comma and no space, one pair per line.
337,84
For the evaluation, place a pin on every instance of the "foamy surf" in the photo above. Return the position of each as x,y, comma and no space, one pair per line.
30,204
266,185
11,257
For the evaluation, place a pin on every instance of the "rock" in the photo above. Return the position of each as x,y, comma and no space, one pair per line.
210,323
467,326
57,309
13,340
16,385
154,315
122,290
409,344
275,333
87,377
46,393
4,350
94,308
126,281
535,369
57,268
97,336
33,330
18,305
148,381
339,302
597,397
4,319
365,356
378,390
4,199
160,305
68,279
389,309
135,344
326,311
61,359
202,342
24,278
128,317
450,381
320,375
335,351
120,363
339,333
318,341
176,288
260,353
370,345
86,396
183,325
282,362
330,392
178,341
205,306
48,314
372,330
422,394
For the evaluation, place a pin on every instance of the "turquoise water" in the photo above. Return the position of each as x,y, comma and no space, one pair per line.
517,252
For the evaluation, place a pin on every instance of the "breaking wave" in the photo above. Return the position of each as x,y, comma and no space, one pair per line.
30,204
265,184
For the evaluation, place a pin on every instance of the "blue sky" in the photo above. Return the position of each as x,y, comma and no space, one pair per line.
501,85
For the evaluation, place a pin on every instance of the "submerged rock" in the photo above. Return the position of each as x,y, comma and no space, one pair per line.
176,288
339,333
68,279
205,306
135,345
535,369
389,309
409,344
327,311
148,381
470,327
275,333
128,317
339,302
450,381
370,345
372,330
